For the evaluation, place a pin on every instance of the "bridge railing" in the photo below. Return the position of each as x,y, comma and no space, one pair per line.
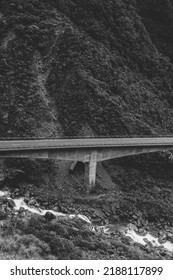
83,137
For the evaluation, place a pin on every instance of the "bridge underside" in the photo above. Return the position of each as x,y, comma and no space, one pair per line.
90,156
83,154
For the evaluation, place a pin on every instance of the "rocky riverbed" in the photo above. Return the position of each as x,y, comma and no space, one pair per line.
119,240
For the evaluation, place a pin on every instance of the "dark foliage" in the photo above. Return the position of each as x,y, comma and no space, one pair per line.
105,67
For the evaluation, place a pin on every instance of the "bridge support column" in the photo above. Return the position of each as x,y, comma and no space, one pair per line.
72,167
90,171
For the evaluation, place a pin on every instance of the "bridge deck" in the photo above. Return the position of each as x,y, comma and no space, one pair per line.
15,145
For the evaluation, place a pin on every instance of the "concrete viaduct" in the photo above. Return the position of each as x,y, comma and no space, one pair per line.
88,150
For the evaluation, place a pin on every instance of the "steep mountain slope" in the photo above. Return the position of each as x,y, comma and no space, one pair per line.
157,16
85,68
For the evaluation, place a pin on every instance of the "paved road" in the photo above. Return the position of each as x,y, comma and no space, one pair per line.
79,143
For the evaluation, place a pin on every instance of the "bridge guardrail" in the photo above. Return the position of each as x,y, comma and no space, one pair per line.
83,137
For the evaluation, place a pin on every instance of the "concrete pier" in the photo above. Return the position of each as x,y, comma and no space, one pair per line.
89,151
73,165
90,171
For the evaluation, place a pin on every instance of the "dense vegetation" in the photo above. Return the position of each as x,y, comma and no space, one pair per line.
92,67
34,237
86,68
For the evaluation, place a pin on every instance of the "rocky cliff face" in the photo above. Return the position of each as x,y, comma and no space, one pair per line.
79,68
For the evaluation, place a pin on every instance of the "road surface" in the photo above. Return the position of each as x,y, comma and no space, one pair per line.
14,145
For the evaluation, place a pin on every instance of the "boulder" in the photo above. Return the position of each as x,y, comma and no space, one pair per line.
127,240
132,226
21,210
32,202
170,235
26,200
55,208
162,239
11,203
49,216
142,232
